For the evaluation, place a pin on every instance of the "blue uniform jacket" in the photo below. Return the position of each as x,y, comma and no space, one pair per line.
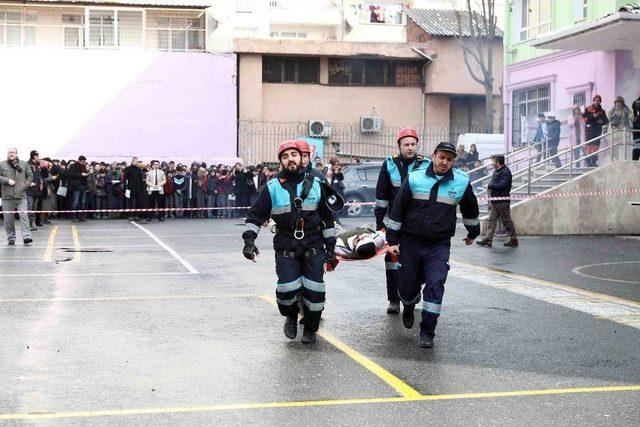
426,206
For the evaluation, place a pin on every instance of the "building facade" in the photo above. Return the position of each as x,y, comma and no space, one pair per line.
361,79
554,62
111,79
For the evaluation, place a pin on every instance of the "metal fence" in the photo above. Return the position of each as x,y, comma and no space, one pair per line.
258,140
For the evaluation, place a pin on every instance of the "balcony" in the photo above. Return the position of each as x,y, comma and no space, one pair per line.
308,12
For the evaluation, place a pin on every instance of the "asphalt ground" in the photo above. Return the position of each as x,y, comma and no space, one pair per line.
108,322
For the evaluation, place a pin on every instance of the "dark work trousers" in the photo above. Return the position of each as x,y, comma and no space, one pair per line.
156,200
393,277
136,201
301,275
420,258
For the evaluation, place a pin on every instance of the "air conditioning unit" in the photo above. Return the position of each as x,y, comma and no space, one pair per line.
319,128
370,124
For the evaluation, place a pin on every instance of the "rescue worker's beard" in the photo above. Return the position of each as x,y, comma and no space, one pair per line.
292,167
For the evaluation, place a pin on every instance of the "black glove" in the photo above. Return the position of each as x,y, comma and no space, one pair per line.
250,250
330,259
330,254
380,226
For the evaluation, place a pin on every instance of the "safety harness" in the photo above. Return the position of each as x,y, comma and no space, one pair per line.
297,202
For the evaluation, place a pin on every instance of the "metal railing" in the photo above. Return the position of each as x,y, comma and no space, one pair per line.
569,157
258,140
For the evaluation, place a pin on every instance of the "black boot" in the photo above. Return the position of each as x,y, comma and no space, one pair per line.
291,327
426,342
308,336
407,316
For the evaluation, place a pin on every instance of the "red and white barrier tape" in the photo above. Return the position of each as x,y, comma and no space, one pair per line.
480,199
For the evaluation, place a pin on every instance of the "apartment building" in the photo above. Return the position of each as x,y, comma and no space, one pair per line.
113,78
346,75
562,53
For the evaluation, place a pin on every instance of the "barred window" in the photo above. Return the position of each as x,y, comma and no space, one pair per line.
527,103
283,69
15,28
374,72
178,33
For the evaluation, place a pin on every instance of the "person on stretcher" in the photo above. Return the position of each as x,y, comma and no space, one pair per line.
360,243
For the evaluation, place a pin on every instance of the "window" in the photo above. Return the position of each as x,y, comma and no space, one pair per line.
279,69
379,13
102,28
129,28
15,28
536,18
72,27
179,34
374,72
580,98
527,103
115,28
580,9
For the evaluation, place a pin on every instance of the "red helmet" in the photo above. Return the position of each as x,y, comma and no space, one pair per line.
288,145
303,146
407,132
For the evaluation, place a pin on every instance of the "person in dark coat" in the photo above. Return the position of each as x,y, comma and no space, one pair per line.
500,186
77,177
135,188
595,119
242,192
553,136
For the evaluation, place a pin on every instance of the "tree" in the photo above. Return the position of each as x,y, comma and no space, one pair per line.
477,32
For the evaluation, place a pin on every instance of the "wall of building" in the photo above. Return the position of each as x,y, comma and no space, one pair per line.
448,72
562,16
398,106
566,73
111,105
610,214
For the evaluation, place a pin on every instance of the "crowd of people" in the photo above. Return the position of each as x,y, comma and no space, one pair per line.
76,185
585,125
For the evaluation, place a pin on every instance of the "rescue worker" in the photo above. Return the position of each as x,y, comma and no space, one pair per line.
394,170
306,160
305,239
422,222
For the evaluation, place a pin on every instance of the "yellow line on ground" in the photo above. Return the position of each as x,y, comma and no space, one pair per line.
400,386
313,403
52,238
548,283
76,243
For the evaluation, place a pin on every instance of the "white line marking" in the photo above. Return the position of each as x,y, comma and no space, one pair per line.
97,246
63,239
579,273
137,273
168,249
598,305
168,297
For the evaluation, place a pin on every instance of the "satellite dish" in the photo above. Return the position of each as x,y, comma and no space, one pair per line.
353,20
221,11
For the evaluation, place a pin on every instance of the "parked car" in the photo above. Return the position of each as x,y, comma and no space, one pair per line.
360,186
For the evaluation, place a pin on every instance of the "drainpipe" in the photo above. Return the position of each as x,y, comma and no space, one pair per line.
423,111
